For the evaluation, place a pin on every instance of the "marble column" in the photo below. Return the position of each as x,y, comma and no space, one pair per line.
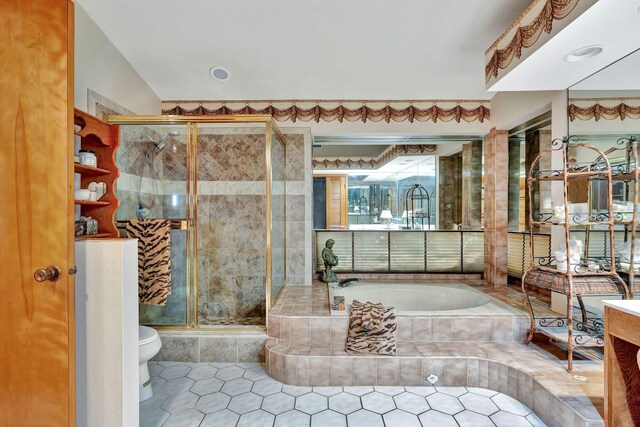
472,184
496,193
514,184
449,192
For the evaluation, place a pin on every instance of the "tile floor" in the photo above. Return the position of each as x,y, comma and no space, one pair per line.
227,395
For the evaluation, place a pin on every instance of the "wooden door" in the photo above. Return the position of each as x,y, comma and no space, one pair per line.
337,201
37,384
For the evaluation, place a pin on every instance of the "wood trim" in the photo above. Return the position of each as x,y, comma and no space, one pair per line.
70,208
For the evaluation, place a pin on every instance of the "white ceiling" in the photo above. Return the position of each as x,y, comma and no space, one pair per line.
312,49
612,24
621,75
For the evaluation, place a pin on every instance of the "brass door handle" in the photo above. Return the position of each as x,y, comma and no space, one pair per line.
51,273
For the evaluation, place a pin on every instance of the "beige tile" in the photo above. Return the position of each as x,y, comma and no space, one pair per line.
483,373
441,329
512,387
461,328
481,330
403,332
455,372
365,371
501,329
300,331
285,328
411,372
388,371
472,372
251,350
494,383
342,373
219,349
436,367
339,329
179,349
320,328
290,369
320,371
421,329
302,371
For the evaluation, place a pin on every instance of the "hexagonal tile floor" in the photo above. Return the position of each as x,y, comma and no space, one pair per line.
234,395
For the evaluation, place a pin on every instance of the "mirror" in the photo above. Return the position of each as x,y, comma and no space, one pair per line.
604,110
396,186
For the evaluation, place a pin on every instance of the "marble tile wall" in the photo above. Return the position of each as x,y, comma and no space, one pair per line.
496,194
211,347
449,192
472,184
514,184
231,214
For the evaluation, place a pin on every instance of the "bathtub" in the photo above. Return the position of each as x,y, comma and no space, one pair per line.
418,299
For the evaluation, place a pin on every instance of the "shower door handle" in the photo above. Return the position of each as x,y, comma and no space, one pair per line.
51,273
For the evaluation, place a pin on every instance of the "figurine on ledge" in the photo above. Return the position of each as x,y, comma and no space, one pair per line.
330,261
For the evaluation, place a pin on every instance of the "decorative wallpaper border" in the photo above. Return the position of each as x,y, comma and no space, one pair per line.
622,110
526,35
341,110
385,157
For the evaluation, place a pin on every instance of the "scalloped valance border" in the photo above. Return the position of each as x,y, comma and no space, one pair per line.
336,110
622,110
525,36
385,157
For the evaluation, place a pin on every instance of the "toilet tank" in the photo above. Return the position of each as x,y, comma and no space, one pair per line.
106,319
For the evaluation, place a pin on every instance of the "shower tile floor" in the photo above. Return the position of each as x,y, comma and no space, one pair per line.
228,395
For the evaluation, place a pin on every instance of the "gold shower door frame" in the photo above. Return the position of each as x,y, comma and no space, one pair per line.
192,122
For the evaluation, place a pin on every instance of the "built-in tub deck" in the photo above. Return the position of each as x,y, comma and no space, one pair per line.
306,346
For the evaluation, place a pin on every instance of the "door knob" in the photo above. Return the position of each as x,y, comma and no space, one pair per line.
51,273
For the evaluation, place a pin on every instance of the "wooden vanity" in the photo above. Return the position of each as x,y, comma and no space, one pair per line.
622,374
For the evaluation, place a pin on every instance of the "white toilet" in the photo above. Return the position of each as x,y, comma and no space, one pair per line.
149,344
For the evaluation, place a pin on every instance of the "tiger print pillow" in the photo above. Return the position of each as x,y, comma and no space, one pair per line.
380,341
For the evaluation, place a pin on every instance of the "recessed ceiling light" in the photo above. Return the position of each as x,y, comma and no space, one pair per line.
584,53
219,73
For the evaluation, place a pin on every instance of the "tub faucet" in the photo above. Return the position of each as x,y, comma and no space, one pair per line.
347,282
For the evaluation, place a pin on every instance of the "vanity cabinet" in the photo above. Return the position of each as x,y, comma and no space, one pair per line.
103,139
621,371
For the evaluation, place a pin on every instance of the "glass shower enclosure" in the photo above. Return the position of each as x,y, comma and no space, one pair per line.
221,181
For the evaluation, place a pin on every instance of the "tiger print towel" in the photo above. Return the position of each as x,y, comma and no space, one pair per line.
371,316
154,262
380,341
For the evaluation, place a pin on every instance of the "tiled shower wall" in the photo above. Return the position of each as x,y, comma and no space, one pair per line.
231,215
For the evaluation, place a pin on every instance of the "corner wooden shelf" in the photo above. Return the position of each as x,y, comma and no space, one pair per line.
103,139
89,170
93,236
91,203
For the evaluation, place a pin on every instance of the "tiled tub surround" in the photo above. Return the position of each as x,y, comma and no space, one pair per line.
306,348
243,395
207,346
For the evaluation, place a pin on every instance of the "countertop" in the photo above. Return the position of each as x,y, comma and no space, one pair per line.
628,306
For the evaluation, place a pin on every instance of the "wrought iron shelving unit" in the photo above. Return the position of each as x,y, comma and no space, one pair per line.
625,168
414,206
594,275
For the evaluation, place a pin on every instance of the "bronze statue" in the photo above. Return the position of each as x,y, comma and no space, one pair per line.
330,261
